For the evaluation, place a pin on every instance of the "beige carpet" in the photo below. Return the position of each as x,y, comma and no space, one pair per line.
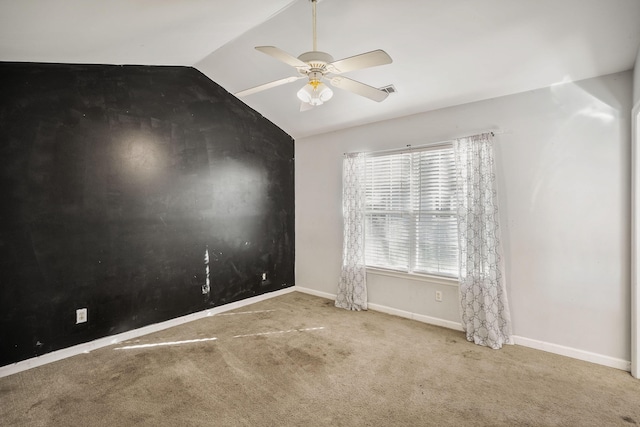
295,360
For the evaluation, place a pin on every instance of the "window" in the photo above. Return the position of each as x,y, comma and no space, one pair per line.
411,224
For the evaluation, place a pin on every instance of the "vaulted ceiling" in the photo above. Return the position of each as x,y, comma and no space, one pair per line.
445,52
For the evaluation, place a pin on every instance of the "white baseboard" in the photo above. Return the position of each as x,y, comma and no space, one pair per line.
418,317
587,356
14,368
124,336
390,310
314,292
575,353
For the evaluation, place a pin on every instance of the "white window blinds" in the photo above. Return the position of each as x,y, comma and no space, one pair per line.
411,224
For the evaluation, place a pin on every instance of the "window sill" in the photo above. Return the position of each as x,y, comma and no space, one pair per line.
440,280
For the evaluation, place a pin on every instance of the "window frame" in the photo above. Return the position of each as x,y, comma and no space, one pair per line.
412,215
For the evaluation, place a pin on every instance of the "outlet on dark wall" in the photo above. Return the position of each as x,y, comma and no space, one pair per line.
139,193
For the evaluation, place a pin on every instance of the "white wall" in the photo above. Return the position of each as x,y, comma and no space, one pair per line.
563,173
635,197
636,79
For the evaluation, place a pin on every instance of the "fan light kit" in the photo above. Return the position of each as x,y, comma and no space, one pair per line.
319,67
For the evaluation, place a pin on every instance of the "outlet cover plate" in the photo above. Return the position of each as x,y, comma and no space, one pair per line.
81,315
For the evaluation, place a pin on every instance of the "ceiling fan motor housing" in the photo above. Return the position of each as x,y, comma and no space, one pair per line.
316,59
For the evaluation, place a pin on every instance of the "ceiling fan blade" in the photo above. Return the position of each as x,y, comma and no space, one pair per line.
358,62
358,88
266,86
282,56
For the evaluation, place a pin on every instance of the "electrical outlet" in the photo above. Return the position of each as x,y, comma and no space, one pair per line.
264,276
81,315
439,296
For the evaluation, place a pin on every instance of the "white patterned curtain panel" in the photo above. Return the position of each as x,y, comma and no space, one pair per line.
352,288
484,307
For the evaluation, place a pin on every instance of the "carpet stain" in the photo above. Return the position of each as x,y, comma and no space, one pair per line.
7,389
304,358
629,420
373,329
343,353
35,405
471,355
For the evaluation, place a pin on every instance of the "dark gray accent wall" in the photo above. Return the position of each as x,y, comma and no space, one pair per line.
122,190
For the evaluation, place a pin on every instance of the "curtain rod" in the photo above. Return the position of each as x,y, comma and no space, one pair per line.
409,147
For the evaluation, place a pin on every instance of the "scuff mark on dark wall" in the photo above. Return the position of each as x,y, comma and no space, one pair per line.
115,181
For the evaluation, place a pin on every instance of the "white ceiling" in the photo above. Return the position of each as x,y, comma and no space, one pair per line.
144,32
445,52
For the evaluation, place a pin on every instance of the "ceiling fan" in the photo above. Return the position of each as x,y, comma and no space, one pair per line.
319,67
